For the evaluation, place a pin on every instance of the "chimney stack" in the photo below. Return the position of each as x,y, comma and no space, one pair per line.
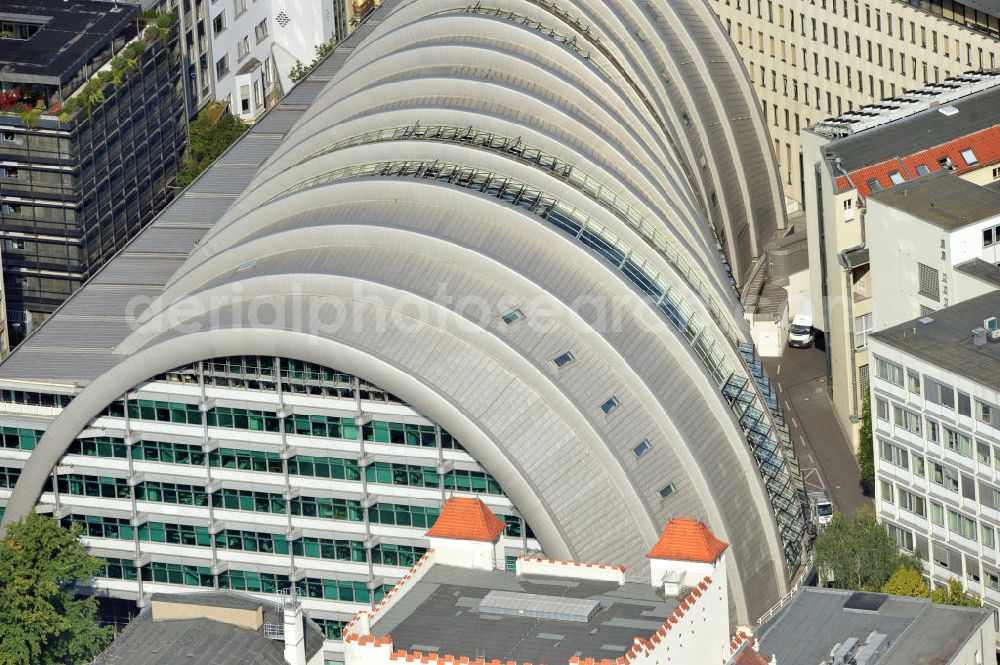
295,634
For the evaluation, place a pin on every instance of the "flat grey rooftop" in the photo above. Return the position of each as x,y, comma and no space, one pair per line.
984,271
440,614
919,632
71,33
204,641
918,132
946,341
991,7
942,199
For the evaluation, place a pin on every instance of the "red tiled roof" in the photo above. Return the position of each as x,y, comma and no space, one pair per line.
750,657
985,144
687,540
466,519
745,654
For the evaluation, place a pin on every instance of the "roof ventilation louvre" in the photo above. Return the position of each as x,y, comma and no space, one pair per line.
843,653
559,608
873,649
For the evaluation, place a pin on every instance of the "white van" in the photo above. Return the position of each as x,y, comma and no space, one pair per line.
800,333
821,508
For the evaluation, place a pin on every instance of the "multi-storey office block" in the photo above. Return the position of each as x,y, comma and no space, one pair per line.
96,158
936,416
819,59
257,474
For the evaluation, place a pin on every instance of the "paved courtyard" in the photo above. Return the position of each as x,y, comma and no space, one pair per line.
825,455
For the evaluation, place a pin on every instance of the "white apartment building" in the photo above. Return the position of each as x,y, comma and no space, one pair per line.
242,51
819,59
936,415
951,128
255,44
932,243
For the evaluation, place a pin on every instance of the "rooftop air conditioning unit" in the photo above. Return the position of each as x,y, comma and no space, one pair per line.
843,653
992,328
979,336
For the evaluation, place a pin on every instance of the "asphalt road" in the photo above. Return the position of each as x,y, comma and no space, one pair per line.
825,455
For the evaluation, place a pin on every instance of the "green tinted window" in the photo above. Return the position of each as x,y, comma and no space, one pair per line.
324,467
168,452
160,492
403,515
101,446
325,548
19,437
95,526
98,486
175,573
327,508
245,460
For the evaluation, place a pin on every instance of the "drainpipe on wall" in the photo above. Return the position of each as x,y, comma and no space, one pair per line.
848,268
848,287
824,274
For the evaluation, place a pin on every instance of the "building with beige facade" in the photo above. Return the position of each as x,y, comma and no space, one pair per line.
810,61
948,130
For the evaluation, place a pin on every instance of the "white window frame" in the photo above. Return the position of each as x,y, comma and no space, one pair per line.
862,326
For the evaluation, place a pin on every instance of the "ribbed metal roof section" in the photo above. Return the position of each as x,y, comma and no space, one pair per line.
587,155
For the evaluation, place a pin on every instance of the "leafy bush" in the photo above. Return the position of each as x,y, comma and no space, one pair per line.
954,594
166,20
866,447
906,581
210,136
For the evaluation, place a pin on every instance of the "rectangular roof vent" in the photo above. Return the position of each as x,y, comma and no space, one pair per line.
925,320
557,608
948,110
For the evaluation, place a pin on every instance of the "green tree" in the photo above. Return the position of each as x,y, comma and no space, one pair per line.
954,594
41,622
866,446
906,581
211,134
299,70
858,553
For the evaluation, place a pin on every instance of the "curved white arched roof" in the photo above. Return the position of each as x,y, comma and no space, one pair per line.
575,161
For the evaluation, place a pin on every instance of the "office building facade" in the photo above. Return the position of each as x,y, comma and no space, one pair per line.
87,167
937,441
810,61
527,246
